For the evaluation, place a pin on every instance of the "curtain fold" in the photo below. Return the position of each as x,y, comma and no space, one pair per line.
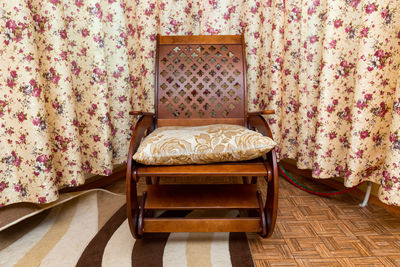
73,69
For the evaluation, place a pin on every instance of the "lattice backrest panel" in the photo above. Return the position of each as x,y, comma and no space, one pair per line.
200,81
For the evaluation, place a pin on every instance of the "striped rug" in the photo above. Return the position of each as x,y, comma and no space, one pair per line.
92,230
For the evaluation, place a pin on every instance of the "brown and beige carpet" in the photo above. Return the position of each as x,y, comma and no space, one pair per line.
92,230
15,213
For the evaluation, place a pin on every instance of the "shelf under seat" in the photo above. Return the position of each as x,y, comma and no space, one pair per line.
210,196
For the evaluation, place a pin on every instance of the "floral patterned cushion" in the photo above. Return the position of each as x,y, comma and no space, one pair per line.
202,144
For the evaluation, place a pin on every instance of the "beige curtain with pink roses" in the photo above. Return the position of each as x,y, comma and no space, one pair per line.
72,70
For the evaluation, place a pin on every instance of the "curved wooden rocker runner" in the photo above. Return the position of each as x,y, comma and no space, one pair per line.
201,80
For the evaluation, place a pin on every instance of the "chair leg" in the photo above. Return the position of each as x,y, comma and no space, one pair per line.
245,180
157,180
271,206
141,216
148,180
132,207
254,179
263,222
271,202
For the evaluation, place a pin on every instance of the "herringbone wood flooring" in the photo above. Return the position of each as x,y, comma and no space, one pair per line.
328,231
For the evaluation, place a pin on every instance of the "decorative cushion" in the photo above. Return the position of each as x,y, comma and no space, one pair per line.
179,145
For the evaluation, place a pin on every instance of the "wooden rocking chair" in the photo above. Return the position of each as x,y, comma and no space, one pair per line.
209,87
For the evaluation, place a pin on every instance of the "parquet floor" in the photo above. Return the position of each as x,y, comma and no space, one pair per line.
328,231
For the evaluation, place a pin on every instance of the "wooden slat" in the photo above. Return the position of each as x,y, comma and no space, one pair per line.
201,39
139,113
239,169
162,225
199,122
262,112
216,196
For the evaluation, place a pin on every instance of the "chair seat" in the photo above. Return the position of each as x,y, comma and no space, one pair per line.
243,168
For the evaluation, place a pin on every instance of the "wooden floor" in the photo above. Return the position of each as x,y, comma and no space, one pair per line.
328,231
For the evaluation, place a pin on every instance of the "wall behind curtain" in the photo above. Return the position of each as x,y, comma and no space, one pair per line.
75,68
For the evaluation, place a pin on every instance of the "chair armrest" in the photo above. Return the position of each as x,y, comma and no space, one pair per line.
258,122
143,127
261,112
140,113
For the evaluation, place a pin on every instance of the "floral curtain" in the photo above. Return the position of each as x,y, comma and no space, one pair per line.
72,69
65,95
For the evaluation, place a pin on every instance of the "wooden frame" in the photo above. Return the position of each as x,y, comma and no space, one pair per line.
212,70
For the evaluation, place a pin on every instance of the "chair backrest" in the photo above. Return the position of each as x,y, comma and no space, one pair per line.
200,80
